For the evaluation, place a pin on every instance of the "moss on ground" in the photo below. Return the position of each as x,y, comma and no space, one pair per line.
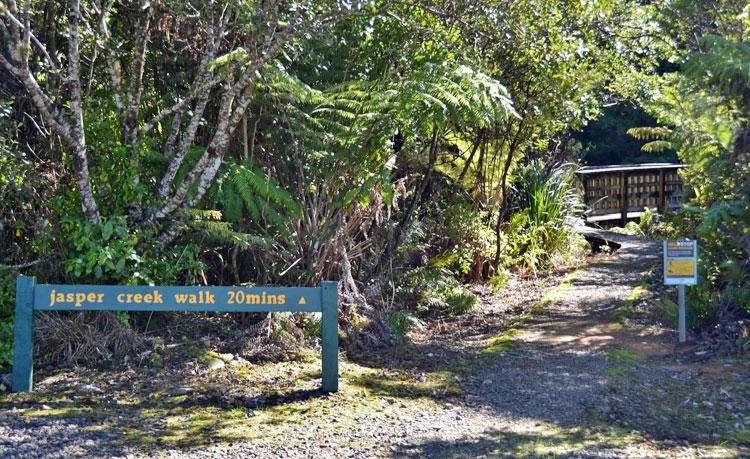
629,306
503,343
620,361
224,407
555,293
507,340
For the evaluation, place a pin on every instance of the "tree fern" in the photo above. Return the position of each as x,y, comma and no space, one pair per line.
222,234
242,191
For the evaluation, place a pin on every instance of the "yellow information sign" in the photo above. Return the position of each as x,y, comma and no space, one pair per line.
680,268
680,262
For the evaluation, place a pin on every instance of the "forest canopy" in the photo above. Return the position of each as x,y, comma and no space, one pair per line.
403,148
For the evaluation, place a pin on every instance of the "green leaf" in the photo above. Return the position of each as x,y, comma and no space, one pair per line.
107,230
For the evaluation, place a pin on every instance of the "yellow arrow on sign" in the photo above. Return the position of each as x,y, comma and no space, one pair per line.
302,300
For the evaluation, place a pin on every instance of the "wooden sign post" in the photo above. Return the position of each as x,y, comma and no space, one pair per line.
32,297
681,269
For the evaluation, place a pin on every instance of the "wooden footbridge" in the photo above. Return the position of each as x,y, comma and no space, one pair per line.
620,192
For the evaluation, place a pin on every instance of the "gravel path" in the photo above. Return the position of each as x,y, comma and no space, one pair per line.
557,371
553,394
547,393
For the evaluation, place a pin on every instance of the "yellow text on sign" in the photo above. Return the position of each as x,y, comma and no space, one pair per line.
680,268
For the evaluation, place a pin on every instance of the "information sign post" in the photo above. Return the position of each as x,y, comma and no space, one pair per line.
681,269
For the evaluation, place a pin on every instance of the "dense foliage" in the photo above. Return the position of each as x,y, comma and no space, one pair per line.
704,108
402,148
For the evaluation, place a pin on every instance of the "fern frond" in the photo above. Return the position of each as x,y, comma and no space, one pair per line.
222,234
657,146
649,133
199,214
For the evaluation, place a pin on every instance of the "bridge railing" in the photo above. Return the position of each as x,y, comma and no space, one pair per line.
620,192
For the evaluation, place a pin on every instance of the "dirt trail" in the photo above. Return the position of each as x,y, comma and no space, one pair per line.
552,392
569,379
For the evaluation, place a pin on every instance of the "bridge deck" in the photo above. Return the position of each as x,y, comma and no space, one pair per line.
622,192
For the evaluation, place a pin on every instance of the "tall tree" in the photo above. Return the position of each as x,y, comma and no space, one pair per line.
236,40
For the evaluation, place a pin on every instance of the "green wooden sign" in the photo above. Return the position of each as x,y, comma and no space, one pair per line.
31,296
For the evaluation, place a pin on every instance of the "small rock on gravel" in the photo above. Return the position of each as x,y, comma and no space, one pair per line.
215,364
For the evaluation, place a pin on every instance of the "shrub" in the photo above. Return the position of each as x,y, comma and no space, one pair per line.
429,289
460,301
469,237
699,308
651,225
499,279
7,305
547,207
6,341
112,251
401,322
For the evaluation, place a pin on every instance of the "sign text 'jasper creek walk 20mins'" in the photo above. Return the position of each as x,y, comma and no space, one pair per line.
61,297
85,299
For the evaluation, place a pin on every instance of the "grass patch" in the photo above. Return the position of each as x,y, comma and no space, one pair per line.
666,311
621,361
502,344
399,384
629,306
60,410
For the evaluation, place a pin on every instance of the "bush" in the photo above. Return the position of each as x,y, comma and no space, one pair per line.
499,279
427,288
7,306
6,341
699,308
547,207
467,235
400,322
112,251
651,225
460,301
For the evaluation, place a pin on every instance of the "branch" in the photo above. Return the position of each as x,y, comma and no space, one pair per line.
187,140
233,106
174,132
30,263
15,26
78,149
26,34
112,69
210,172
136,73
189,135
197,88
182,191
41,101
74,69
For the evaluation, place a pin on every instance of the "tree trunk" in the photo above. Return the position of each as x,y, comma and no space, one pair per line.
467,165
245,146
395,241
504,190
